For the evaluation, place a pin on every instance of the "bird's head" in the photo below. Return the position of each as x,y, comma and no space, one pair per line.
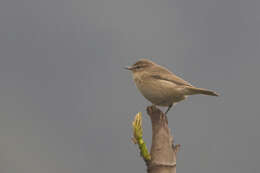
140,66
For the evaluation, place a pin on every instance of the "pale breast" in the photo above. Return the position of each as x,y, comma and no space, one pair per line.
159,92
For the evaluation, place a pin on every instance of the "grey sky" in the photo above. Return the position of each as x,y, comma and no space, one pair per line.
66,103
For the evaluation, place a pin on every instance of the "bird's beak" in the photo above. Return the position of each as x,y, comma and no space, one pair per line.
128,68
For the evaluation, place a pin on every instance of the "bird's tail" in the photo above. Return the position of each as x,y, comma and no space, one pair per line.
193,90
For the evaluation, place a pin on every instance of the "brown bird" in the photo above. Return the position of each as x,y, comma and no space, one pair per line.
160,86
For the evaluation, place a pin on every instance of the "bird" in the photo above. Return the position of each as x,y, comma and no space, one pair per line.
160,86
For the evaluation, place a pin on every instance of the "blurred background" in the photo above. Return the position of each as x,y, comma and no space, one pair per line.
66,103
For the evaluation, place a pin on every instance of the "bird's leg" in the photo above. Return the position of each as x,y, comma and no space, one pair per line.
168,109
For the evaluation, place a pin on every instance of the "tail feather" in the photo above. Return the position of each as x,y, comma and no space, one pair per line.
193,90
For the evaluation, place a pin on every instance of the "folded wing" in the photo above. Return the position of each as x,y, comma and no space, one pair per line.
168,76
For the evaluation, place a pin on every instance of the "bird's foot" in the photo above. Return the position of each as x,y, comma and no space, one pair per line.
151,108
168,109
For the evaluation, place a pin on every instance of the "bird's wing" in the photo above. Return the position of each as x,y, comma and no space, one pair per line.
168,76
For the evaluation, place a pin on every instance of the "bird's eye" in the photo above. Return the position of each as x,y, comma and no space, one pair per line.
138,67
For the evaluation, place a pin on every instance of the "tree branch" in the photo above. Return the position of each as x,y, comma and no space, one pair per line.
163,151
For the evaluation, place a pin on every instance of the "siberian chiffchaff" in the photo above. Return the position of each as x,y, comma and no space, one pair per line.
160,86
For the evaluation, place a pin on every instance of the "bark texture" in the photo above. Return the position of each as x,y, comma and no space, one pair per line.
163,151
